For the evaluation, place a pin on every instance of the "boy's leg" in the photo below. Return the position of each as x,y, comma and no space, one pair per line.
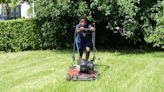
87,53
81,49
81,54
87,48
79,46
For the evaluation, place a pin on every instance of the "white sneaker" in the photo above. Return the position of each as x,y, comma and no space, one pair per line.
78,67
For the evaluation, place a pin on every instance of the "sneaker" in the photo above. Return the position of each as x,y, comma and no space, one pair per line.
78,67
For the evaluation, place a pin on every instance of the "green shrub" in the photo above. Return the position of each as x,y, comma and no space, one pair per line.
29,34
17,35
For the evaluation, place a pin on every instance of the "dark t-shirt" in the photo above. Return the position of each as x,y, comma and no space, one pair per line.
81,34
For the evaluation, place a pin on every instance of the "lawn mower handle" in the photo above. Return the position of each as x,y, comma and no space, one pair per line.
85,29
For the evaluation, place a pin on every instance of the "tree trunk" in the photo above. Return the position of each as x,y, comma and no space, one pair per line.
7,11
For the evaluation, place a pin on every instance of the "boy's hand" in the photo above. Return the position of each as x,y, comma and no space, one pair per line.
82,28
92,29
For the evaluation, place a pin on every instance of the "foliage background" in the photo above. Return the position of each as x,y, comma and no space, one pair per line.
141,24
142,21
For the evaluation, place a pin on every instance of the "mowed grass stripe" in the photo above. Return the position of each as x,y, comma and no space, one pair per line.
17,67
22,70
35,78
41,82
27,71
19,74
26,61
137,78
147,81
134,75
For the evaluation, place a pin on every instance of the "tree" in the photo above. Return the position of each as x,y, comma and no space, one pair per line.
155,34
135,18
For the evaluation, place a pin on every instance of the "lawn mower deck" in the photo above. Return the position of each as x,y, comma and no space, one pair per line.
87,75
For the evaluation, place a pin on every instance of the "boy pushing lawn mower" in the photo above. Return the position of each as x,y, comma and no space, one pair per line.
82,42
84,37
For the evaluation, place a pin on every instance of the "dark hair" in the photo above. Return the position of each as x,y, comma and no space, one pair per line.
83,17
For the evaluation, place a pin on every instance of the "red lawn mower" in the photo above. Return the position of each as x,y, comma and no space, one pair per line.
83,70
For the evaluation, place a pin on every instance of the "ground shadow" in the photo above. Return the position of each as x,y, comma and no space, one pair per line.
125,51
105,68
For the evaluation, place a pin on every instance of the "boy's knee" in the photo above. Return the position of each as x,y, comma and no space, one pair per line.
87,49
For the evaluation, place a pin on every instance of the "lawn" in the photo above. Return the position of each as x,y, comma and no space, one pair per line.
119,71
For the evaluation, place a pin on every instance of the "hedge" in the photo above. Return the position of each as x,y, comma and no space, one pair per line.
28,34
17,35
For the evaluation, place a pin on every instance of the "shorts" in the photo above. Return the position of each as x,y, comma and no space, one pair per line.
82,44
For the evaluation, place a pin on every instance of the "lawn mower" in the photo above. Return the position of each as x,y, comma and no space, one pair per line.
83,70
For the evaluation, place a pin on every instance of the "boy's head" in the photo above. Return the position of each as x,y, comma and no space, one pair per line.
83,21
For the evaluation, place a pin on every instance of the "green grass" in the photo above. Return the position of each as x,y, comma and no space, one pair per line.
44,71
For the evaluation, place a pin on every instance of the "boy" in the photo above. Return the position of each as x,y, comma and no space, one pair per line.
82,42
